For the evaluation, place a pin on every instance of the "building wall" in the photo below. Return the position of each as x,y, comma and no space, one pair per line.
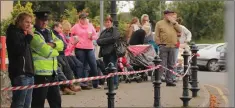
6,9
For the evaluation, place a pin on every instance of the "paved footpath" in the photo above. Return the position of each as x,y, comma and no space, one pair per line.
135,95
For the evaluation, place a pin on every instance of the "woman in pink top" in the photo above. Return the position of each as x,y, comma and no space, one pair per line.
84,49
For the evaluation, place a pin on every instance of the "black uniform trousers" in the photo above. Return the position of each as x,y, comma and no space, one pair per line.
52,93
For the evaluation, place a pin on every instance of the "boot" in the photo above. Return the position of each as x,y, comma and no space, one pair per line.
67,91
75,88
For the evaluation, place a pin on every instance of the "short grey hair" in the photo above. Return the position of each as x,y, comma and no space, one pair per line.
142,17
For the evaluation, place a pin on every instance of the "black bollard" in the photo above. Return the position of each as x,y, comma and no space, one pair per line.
185,97
194,69
111,68
157,83
190,75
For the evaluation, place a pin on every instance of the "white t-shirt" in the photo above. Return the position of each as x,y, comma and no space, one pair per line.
186,35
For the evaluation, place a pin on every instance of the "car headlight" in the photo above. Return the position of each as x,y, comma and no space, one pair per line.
222,54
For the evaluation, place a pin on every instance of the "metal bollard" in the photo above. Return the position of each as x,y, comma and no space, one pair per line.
111,68
190,76
157,83
194,69
185,97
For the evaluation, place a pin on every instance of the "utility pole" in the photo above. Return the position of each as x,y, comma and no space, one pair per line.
114,12
101,14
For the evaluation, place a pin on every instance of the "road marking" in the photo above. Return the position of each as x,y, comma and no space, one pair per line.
221,93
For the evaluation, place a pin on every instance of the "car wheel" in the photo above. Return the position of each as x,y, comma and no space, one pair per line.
213,66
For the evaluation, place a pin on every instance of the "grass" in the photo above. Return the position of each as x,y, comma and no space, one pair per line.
208,41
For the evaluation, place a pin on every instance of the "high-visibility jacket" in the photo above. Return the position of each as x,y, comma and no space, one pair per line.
44,56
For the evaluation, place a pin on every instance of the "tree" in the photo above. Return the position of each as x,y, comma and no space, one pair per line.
205,19
17,9
150,7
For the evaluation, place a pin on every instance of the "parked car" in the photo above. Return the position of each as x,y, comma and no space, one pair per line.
222,58
209,57
201,46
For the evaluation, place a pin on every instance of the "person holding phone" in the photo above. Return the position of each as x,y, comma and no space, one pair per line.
21,69
84,50
166,36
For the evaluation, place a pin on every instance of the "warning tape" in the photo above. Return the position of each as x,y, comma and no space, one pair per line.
94,78
77,80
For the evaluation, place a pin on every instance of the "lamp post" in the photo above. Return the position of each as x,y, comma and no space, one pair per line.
114,12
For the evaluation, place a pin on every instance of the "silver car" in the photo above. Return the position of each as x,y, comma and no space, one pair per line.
209,56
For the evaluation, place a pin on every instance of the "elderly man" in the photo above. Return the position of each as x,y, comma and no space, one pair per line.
166,37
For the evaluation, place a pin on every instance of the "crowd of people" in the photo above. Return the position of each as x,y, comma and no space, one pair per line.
39,55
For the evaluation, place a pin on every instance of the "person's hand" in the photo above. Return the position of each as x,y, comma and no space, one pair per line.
90,35
51,44
171,19
30,30
75,40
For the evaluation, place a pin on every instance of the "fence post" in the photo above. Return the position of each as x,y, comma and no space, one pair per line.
157,83
194,69
185,96
111,68
3,53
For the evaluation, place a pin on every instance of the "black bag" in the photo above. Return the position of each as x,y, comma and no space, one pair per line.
120,47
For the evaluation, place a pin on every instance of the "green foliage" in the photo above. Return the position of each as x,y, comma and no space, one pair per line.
122,27
150,7
96,21
205,19
17,9
71,15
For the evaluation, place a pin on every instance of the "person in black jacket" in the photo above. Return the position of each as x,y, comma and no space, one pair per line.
137,37
106,41
63,62
21,69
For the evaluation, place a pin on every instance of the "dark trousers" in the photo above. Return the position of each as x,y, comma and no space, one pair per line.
112,58
167,55
52,93
62,77
68,72
87,57
75,64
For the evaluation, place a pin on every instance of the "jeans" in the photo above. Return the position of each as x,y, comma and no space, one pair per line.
87,57
75,64
22,98
111,58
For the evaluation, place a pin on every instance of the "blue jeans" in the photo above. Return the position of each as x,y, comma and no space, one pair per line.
111,58
87,57
22,98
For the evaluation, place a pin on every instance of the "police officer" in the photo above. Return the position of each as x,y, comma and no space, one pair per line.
45,46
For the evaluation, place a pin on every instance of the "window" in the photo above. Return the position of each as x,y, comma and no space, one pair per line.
220,48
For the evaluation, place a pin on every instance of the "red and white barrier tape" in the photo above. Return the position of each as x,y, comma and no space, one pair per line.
93,78
76,80
189,65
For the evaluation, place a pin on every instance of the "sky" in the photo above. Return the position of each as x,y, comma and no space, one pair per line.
127,5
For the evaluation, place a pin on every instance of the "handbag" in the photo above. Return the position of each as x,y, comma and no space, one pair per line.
120,47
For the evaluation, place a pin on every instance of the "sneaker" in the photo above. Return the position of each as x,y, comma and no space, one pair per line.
98,87
170,84
75,88
86,87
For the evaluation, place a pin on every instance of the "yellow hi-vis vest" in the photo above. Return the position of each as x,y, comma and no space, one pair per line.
44,56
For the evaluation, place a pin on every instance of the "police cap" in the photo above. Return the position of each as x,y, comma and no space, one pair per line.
42,15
